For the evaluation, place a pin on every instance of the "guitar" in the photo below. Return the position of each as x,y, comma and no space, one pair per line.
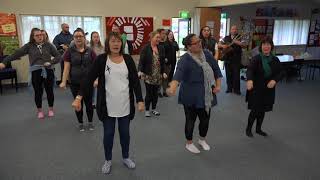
225,51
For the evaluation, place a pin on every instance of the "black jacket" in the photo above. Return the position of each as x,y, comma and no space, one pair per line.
130,47
146,57
209,44
171,48
262,98
80,63
234,56
98,71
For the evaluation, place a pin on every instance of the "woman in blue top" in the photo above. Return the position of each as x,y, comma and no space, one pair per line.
199,77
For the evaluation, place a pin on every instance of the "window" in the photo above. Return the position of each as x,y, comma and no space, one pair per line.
224,26
52,24
290,32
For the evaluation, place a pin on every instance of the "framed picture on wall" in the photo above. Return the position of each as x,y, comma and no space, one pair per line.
137,29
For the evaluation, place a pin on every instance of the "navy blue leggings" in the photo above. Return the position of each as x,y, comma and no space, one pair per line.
108,136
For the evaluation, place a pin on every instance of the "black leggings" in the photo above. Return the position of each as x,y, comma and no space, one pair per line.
191,114
87,101
38,83
151,96
255,115
233,77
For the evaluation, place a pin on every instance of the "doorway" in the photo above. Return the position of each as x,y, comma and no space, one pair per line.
180,28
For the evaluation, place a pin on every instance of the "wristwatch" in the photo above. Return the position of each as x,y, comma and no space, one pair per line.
78,97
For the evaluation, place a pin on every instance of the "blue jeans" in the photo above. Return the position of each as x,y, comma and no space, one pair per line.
109,129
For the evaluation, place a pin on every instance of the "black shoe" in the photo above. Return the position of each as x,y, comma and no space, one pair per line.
238,93
249,133
165,95
156,113
91,126
160,95
260,132
81,127
229,91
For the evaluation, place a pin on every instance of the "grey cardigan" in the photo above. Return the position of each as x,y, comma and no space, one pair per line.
35,56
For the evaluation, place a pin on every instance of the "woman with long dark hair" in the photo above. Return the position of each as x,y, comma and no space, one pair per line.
41,70
171,47
208,42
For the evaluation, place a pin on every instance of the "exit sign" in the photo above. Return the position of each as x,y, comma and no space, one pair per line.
184,14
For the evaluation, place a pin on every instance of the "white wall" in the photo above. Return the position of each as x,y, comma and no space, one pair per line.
159,9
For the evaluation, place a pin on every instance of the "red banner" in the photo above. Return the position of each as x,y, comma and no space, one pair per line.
136,28
166,22
8,25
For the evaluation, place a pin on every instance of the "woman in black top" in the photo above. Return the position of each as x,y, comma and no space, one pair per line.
263,74
118,86
208,42
151,69
171,47
78,59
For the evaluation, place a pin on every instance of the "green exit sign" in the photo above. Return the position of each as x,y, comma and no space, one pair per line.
184,14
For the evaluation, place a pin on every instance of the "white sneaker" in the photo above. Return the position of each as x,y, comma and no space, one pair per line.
106,168
156,113
129,163
147,114
204,145
192,148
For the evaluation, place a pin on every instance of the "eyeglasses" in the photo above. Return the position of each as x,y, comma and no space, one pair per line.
77,37
197,42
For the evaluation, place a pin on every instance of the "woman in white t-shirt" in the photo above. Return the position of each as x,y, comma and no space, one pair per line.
118,87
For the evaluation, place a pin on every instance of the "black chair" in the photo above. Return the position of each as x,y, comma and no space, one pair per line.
310,73
8,73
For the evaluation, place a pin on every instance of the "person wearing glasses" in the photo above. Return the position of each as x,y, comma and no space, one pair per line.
199,77
41,70
78,59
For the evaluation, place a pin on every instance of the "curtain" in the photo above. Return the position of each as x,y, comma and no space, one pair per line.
290,32
29,22
52,24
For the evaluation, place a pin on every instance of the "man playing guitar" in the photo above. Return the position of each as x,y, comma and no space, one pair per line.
232,59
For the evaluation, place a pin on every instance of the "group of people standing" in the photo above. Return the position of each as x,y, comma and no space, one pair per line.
156,67
107,77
